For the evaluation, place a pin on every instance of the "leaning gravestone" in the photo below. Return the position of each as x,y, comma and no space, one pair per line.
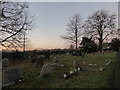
5,62
10,75
40,61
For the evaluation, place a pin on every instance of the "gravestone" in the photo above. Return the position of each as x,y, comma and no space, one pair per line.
55,59
5,62
76,64
40,61
47,55
46,69
10,75
33,60
67,53
29,57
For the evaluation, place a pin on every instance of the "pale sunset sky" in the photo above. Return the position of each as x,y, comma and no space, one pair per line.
51,18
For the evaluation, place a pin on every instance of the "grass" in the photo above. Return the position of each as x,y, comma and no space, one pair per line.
86,79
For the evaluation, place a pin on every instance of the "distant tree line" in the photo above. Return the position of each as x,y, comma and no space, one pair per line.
89,46
20,55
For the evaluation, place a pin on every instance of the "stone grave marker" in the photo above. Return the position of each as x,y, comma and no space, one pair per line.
40,61
76,64
67,53
10,75
5,62
46,69
33,60
55,59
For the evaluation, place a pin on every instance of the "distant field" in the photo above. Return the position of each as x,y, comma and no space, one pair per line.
86,79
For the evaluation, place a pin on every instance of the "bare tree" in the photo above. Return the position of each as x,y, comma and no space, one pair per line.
73,30
100,25
14,22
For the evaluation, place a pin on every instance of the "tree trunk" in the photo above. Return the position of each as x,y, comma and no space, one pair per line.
24,44
76,37
76,43
100,45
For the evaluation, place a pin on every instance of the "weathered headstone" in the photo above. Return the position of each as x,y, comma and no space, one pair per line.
40,61
55,59
33,60
76,64
47,55
46,69
10,75
5,62
67,53
29,57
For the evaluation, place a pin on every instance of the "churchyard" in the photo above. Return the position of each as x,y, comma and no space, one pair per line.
93,71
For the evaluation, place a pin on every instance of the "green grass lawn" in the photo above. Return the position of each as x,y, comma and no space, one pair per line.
86,79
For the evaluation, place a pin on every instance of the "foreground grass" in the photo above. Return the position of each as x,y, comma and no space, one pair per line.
86,79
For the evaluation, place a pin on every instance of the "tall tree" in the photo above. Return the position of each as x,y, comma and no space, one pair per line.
100,25
14,22
88,44
73,30
115,44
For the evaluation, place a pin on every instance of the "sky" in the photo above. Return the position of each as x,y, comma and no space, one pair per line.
51,18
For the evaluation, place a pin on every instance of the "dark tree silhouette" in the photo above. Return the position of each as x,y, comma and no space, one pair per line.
14,22
88,45
115,44
73,29
100,25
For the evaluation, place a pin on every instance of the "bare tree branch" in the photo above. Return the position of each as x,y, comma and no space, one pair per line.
100,22
15,21
73,29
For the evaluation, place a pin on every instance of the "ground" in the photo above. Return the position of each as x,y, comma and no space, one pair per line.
0,74
86,79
